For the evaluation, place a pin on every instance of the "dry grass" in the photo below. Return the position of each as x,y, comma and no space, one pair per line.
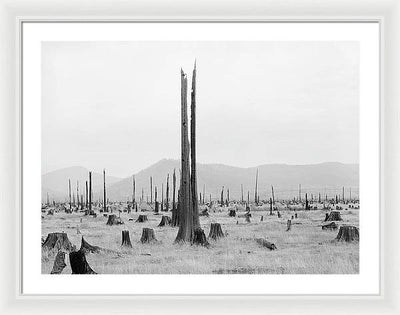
306,249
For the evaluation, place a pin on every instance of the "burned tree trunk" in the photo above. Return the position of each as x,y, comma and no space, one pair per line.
142,218
199,238
307,205
175,215
104,191
270,206
222,196
151,190
215,231
185,232
79,264
255,189
87,248
148,236
58,241
165,220
90,191
69,192
133,192
155,200
288,225
167,195
126,240
266,244
348,233
59,263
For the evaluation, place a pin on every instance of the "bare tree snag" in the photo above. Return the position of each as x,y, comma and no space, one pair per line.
348,233
151,190
241,188
333,216
69,193
175,215
288,225
265,243
142,218
185,232
330,226
255,189
104,191
58,241
167,194
222,196
114,220
90,191
126,240
215,231
79,264
199,238
59,263
307,204
134,191
165,220
270,206
148,236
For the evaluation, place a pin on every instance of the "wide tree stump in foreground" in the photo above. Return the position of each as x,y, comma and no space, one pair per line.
330,226
126,240
87,248
142,218
59,263
78,262
266,244
58,241
215,231
333,216
348,233
165,220
148,236
199,238
114,220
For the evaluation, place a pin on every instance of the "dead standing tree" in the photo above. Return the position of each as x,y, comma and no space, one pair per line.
175,215
189,227
167,195
104,191
255,190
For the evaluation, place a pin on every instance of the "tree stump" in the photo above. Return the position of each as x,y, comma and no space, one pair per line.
279,215
58,241
232,213
204,213
199,238
59,263
330,226
247,219
156,207
215,231
289,225
78,262
266,244
295,215
142,218
114,220
87,248
262,218
333,216
348,233
126,240
50,212
165,220
148,236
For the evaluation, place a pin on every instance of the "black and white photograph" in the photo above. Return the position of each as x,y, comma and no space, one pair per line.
200,157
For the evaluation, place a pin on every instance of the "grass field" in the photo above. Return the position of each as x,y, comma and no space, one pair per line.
305,249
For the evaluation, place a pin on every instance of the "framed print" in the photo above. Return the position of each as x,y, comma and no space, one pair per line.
232,159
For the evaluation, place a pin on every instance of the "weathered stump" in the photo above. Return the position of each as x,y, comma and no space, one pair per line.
288,225
348,233
215,231
58,241
232,213
142,218
333,216
78,262
148,236
114,220
199,238
204,213
295,215
265,243
87,248
165,220
126,240
330,226
279,215
59,263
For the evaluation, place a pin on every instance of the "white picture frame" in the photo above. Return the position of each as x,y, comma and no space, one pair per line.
387,14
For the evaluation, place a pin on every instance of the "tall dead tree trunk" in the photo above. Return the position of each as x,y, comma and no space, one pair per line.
167,196
69,193
307,205
241,188
270,206
155,200
299,192
222,196
104,191
151,190
255,190
273,195
185,232
162,197
134,191
77,193
86,196
90,191
174,208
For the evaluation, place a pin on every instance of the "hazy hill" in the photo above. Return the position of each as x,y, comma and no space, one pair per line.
56,183
324,178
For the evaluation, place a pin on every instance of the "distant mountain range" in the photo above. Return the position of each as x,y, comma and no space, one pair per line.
325,178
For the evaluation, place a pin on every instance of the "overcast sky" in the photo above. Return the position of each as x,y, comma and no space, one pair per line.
116,105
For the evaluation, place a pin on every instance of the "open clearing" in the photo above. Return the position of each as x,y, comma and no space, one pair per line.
305,249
